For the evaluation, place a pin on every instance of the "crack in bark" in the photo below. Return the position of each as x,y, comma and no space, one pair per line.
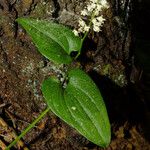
57,9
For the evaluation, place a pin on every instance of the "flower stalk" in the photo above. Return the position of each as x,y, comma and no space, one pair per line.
93,11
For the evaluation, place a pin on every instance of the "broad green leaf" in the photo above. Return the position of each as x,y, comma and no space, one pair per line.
80,105
54,41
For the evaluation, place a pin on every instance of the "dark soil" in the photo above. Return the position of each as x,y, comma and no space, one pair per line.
112,59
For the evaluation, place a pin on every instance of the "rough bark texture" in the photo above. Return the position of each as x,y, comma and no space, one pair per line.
107,58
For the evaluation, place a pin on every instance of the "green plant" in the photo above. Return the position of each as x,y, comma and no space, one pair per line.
75,98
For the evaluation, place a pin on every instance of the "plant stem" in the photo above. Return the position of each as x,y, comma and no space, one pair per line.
86,33
28,128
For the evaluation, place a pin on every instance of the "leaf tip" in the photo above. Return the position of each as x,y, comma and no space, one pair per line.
106,140
18,20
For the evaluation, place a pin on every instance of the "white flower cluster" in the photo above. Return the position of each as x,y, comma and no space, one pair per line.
92,11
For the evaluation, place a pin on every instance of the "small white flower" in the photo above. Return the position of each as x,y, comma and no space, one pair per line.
81,22
104,4
99,7
100,19
75,32
96,12
94,21
84,12
96,28
86,28
80,30
91,7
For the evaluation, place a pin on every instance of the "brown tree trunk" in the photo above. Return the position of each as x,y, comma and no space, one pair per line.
107,57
